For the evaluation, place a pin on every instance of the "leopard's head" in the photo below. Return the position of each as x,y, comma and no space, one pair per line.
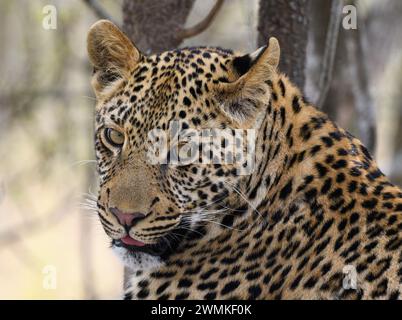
159,181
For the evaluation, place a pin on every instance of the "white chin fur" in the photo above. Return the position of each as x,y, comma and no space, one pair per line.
137,260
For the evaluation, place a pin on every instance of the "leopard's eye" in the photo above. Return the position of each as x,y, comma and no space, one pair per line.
114,138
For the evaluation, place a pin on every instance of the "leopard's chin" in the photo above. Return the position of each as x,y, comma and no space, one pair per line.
137,260
157,249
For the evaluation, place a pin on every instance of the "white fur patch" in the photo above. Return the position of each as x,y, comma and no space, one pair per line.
137,260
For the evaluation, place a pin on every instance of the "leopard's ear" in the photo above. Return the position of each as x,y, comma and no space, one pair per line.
111,53
242,98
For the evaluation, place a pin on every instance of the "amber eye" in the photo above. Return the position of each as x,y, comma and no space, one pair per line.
114,138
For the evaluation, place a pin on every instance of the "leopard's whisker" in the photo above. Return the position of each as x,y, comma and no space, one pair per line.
245,199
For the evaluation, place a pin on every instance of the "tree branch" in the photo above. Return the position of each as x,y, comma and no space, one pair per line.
98,10
202,25
330,51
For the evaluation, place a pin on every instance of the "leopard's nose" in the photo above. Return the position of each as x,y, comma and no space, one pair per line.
127,218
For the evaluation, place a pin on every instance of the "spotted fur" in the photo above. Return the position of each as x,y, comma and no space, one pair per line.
315,206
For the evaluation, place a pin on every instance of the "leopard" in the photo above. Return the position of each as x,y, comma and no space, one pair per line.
312,218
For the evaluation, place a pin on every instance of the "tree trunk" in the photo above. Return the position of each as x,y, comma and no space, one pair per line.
360,87
287,21
154,25
349,94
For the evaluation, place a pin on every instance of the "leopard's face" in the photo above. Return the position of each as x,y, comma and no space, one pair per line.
159,99
155,184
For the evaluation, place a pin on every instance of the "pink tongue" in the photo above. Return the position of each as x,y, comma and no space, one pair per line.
130,241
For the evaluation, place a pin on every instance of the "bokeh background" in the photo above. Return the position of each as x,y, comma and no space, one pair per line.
47,164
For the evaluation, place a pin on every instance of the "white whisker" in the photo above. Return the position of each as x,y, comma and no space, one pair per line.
83,162
245,199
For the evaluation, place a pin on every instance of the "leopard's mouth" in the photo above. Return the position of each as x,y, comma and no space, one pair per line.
132,242
157,249
163,247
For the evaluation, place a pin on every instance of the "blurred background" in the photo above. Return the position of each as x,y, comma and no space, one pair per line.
47,167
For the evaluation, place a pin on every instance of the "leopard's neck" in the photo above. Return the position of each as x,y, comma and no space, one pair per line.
301,155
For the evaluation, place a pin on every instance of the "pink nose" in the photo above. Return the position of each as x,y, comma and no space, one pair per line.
128,219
